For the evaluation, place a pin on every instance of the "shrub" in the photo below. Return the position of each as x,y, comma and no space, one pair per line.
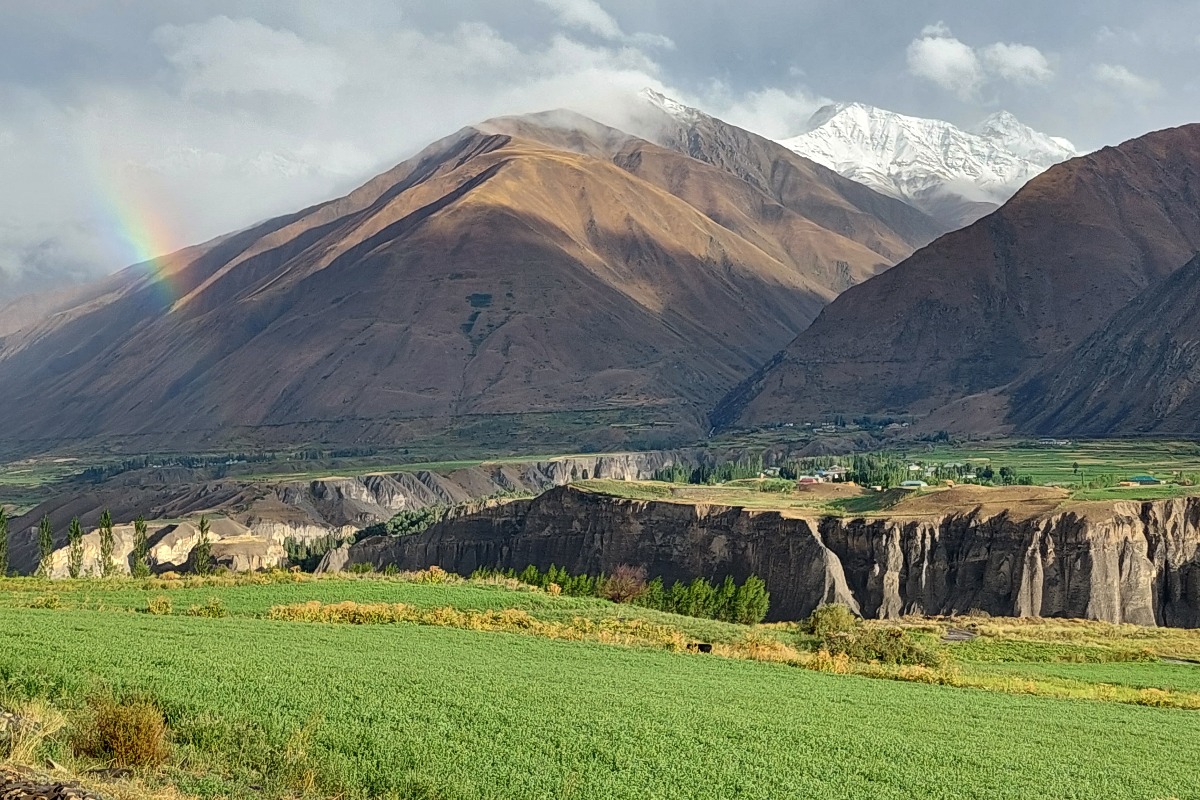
361,568
830,619
127,733
34,723
46,601
214,609
626,584
885,645
159,606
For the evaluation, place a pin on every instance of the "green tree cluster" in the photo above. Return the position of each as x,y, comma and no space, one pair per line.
727,600
746,466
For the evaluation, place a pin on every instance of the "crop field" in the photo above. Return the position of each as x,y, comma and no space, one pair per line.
1057,464
305,709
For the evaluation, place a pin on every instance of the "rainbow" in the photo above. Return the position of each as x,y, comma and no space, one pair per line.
134,213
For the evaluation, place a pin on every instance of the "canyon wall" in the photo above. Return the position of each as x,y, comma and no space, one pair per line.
268,512
1135,562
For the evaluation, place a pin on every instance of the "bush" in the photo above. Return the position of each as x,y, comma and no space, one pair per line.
214,609
129,733
625,585
830,619
46,601
159,606
885,645
361,568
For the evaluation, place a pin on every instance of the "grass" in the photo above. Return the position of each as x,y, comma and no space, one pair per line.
378,711
434,697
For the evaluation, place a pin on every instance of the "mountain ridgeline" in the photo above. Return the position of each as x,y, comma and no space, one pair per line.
542,268
952,331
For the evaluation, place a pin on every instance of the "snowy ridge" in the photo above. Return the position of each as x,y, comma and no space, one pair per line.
672,108
952,174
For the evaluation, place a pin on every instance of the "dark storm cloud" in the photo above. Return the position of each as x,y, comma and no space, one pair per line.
134,125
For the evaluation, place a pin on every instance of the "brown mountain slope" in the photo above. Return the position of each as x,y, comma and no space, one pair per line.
983,306
490,274
890,227
1140,374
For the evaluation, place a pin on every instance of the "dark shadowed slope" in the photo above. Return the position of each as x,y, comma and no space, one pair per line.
1140,374
984,306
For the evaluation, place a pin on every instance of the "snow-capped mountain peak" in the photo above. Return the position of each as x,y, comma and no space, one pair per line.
950,173
671,107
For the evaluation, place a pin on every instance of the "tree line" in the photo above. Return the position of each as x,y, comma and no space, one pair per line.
727,600
139,559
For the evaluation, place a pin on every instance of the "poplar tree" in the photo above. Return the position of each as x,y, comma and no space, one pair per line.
3,542
202,552
45,547
107,545
140,568
75,549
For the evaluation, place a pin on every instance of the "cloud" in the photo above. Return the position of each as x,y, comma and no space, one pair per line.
243,56
1120,79
937,56
772,112
587,15
1018,63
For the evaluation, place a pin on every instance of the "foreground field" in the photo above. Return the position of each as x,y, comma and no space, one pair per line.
417,710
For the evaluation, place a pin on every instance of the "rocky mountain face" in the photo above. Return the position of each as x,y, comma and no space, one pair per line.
542,267
1119,562
252,520
1138,374
954,175
991,304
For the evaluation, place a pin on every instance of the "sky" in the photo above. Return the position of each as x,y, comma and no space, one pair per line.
130,128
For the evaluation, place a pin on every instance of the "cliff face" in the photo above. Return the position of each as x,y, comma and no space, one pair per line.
1120,562
271,513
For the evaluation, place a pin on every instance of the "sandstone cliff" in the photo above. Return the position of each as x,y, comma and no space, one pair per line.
1135,562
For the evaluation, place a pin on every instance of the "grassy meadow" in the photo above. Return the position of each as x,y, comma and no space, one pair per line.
445,706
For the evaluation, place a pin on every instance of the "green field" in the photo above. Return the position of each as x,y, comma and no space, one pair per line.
1056,464
406,710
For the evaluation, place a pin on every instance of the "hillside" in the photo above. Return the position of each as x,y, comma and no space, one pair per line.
954,175
523,267
1138,374
986,305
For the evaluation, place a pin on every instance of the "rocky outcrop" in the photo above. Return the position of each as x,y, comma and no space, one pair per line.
1135,562
270,513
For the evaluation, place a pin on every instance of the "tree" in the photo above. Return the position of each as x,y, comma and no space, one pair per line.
1075,468
75,549
140,567
202,552
1008,476
723,602
45,548
752,601
3,542
107,545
